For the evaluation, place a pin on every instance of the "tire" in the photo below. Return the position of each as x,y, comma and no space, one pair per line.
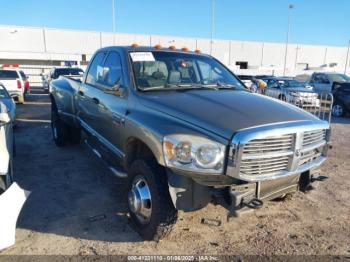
74,135
163,214
21,99
60,130
338,110
6,181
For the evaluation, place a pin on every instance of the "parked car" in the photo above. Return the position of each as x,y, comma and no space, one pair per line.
6,99
292,91
182,130
324,82
55,73
6,148
341,95
16,83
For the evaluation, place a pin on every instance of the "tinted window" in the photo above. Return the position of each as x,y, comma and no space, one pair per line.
111,73
91,77
339,78
68,71
8,74
23,75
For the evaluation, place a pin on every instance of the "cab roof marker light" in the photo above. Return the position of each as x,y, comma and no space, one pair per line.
185,49
172,47
198,51
135,45
157,46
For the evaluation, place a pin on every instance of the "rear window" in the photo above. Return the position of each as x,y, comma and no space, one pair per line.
8,74
68,71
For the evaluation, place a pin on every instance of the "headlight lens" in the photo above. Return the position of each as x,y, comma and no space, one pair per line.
294,94
193,153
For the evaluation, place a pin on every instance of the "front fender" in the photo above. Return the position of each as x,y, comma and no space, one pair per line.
150,127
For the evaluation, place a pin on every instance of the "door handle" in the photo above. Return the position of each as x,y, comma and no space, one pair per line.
96,101
81,93
118,118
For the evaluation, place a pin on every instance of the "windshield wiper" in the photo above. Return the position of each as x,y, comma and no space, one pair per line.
168,86
219,85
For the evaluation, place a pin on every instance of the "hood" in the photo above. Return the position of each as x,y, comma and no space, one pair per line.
223,112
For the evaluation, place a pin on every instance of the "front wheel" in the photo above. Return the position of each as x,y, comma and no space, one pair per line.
338,110
59,128
151,209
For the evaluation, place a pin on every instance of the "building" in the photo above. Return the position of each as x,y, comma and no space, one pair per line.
38,49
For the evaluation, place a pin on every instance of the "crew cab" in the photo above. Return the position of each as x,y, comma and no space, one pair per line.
181,129
16,83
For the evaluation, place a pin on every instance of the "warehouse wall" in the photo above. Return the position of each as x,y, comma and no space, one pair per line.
41,44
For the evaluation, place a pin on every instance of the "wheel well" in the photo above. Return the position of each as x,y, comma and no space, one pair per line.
136,149
53,102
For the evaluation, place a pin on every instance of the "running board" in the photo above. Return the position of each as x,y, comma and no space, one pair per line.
118,172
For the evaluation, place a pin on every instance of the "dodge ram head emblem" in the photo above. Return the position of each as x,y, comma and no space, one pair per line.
297,153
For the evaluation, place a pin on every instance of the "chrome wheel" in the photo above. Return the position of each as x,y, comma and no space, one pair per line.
337,110
139,200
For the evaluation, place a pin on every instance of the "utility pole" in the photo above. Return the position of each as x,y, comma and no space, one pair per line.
290,7
212,25
347,58
113,19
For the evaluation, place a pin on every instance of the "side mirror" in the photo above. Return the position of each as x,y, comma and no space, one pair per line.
4,118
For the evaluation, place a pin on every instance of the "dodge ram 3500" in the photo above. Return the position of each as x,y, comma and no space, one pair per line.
182,130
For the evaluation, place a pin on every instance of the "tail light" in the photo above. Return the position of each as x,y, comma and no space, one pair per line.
19,84
26,85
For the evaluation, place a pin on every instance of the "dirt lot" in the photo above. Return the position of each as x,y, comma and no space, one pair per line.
78,207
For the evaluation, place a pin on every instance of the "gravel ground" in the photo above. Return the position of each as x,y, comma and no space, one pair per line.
78,207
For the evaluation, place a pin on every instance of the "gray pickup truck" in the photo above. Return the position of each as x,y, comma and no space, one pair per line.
183,131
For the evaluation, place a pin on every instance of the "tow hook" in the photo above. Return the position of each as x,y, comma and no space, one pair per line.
254,203
306,179
319,179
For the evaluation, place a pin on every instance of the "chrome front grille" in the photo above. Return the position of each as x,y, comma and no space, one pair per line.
263,155
263,166
313,137
269,145
266,155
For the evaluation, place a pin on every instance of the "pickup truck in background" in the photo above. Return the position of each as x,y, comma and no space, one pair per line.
16,83
72,72
182,130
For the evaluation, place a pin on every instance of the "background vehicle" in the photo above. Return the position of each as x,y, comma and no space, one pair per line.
7,100
288,89
248,80
182,129
6,148
16,83
324,82
55,73
341,94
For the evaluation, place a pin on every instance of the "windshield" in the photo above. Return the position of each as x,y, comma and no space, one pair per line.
166,70
69,71
8,74
3,93
290,83
339,78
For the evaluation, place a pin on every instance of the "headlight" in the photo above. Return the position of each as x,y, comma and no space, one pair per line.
193,153
294,94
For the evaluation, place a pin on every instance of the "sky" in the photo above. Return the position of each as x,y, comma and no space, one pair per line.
320,22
